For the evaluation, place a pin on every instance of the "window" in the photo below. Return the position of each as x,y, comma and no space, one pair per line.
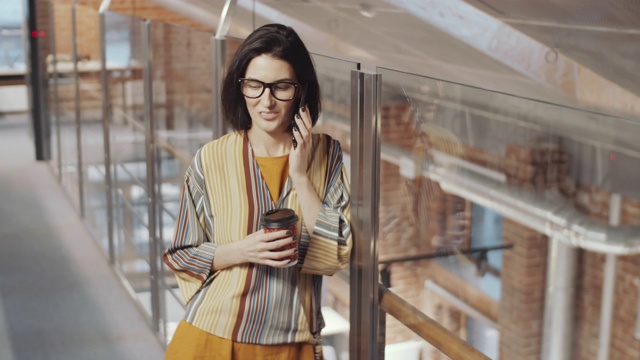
11,38
484,337
486,230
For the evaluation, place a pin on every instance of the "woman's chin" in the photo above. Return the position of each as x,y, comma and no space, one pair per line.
271,128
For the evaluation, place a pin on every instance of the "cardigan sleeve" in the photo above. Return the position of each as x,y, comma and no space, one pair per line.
192,250
327,251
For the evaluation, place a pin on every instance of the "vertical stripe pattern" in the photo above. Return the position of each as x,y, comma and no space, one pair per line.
223,198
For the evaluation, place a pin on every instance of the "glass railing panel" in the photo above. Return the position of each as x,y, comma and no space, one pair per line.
474,183
91,124
334,77
182,83
402,343
425,231
128,152
231,46
68,138
395,34
243,21
52,98
124,59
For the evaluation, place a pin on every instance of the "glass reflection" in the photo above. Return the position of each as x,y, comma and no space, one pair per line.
483,178
128,155
182,85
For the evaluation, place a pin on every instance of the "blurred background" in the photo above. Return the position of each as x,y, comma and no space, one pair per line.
491,144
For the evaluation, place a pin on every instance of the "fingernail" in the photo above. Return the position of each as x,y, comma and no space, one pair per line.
297,116
288,232
302,108
295,250
293,239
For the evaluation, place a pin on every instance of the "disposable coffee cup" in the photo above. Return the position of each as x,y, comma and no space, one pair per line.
282,219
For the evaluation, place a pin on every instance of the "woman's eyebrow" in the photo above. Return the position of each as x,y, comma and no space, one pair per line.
279,80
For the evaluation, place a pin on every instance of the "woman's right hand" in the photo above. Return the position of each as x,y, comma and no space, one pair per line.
257,248
262,248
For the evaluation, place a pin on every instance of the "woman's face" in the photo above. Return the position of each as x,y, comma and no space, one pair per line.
268,114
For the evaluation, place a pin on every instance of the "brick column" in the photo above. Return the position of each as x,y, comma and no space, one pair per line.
521,312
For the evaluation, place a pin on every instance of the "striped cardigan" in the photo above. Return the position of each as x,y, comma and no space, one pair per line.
223,198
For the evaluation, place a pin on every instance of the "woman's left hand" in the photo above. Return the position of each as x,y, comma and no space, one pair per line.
299,155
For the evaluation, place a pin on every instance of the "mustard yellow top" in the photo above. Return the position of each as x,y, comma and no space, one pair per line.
275,171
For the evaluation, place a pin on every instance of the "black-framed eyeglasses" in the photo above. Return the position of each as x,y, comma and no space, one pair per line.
281,90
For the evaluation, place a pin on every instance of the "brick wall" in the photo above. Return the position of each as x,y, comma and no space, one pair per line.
87,30
623,344
540,166
62,27
521,308
146,9
595,202
536,166
182,56
417,217
87,21
183,73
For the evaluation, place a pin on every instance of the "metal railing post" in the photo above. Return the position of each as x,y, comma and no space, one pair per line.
147,56
225,18
76,79
106,132
219,47
357,335
364,340
56,97
219,64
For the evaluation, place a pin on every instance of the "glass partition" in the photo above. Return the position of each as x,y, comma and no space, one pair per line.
128,153
182,87
52,99
476,187
67,131
93,181
334,76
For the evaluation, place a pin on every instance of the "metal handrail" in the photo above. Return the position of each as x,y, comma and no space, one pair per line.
425,327
160,143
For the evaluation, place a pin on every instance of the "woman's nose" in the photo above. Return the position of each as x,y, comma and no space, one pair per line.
267,99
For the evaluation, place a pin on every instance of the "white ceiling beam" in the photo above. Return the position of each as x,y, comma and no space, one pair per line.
522,53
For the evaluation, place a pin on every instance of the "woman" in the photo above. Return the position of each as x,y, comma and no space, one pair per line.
243,300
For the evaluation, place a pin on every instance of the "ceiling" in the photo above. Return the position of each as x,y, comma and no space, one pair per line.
601,36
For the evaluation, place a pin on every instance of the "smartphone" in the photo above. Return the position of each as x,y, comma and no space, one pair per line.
301,105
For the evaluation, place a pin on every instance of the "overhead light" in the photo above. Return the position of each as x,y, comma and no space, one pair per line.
367,10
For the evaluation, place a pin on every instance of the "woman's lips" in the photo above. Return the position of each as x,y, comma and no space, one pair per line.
268,115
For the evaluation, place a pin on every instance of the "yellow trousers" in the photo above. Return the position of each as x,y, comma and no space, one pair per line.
191,343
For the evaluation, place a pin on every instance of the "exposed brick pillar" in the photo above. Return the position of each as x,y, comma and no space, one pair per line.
537,166
623,343
595,202
521,310
588,305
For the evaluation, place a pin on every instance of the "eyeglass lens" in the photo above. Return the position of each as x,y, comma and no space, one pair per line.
280,90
